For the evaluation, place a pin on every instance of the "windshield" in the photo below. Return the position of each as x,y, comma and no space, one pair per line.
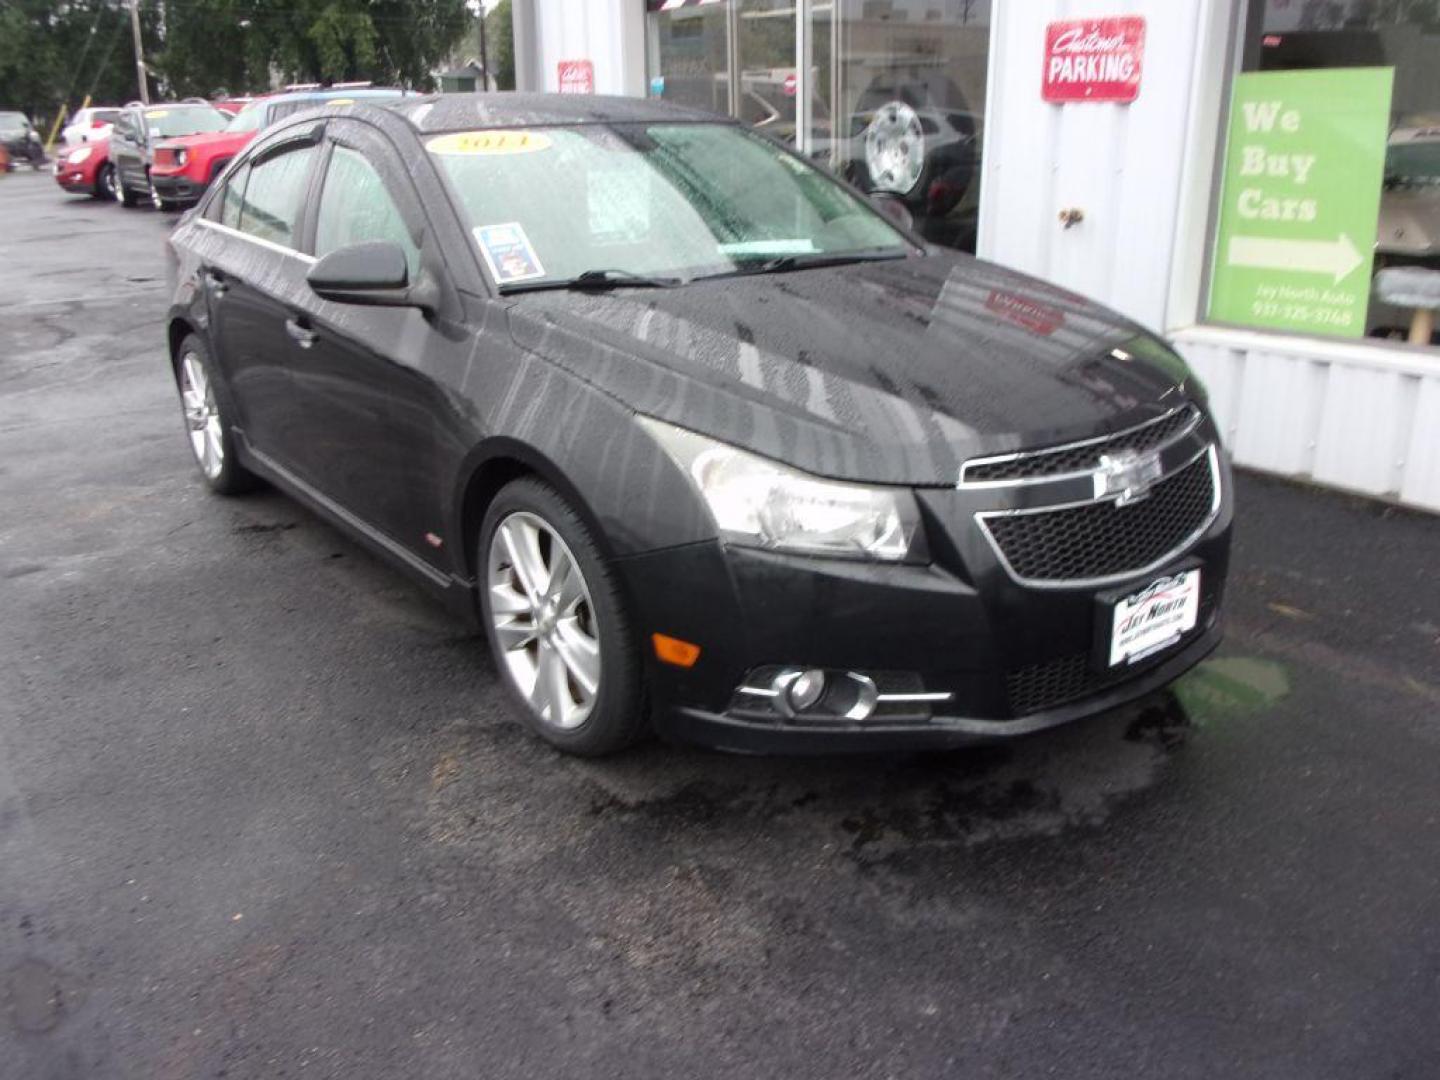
12,121
1414,163
655,200
190,120
250,118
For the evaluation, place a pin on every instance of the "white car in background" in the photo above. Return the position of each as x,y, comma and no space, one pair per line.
88,125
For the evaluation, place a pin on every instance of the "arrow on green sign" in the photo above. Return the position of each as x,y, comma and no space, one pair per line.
1339,258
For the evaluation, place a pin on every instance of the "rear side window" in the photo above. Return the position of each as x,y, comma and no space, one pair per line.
232,197
273,196
355,207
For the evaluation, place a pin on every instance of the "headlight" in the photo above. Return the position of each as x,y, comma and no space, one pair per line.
764,504
77,156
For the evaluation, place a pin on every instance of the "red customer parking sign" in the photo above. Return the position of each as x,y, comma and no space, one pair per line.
1093,59
577,77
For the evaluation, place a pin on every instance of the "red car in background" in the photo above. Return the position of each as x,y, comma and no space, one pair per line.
184,167
86,170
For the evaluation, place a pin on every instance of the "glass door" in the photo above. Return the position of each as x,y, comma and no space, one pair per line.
904,81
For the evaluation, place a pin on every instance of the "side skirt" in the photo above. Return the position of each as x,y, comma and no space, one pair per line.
457,593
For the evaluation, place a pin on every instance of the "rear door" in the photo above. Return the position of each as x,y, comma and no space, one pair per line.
364,383
253,273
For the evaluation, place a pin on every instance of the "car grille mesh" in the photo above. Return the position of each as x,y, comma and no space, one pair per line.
1086,457
1103,539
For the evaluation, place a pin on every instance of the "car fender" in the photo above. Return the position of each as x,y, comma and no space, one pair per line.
587,445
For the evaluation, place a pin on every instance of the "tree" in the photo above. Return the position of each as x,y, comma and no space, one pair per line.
500,44
53,52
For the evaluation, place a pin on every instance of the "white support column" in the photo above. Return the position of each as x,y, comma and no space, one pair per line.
804,62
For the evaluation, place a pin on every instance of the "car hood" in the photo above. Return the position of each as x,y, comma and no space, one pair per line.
226,139
895,371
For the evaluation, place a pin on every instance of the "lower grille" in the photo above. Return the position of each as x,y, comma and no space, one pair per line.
1067,679
1104,539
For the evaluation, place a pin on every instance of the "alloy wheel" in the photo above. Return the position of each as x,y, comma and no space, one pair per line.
544,621
107,183
202,415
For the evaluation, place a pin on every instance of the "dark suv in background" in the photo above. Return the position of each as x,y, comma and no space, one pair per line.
139,127
20,139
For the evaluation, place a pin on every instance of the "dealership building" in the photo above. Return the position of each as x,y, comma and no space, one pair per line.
1258,180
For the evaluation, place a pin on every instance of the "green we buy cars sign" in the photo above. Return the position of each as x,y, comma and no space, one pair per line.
1301,197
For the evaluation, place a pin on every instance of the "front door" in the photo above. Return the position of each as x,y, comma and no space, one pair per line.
363,376
127,151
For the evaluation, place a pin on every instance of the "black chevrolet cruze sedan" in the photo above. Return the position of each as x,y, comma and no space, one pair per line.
702,440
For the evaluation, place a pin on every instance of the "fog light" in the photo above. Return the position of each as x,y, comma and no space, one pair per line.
805,689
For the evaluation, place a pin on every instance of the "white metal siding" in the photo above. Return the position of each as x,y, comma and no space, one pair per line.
1123,166
1358,416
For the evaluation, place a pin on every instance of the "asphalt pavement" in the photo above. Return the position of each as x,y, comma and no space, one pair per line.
264,811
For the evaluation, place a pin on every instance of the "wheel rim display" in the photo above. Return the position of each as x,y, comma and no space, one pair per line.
202,416
545,624
895,148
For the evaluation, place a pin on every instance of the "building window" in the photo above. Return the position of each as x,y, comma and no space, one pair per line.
1329,214
896,89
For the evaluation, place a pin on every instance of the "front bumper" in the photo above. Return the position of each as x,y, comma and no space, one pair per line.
176,187
1007,658
75,178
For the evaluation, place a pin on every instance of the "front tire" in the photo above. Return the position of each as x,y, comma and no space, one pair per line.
556,621
211,439
105,183
128,199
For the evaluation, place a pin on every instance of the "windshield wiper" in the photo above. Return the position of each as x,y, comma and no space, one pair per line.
598,279
783,263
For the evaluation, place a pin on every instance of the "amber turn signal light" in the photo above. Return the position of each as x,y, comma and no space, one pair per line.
672,650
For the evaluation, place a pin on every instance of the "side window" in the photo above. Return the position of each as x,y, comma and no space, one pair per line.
355,206
273,195
232,197
124,126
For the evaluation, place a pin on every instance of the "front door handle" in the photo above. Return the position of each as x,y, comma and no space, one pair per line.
299,333
216,283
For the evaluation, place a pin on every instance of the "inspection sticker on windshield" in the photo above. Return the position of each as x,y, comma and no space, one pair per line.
1155,618
508,252
475,143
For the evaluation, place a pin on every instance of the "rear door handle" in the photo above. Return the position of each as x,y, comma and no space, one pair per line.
216,283
299,333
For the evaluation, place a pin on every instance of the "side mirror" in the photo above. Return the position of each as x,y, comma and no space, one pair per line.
374,274
894,209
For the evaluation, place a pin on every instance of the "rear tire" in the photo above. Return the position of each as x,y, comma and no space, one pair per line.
556,622
212,441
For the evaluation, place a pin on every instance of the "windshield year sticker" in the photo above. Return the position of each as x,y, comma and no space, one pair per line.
508,253
475,143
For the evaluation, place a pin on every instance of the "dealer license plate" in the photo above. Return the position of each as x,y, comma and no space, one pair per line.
1154,618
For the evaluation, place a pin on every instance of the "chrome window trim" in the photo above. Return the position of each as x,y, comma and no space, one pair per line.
1060,448
982,519
270,245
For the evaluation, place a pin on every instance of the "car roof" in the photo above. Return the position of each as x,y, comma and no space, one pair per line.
327,93
461,112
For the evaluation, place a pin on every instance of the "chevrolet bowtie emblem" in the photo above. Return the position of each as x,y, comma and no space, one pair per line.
1128,475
